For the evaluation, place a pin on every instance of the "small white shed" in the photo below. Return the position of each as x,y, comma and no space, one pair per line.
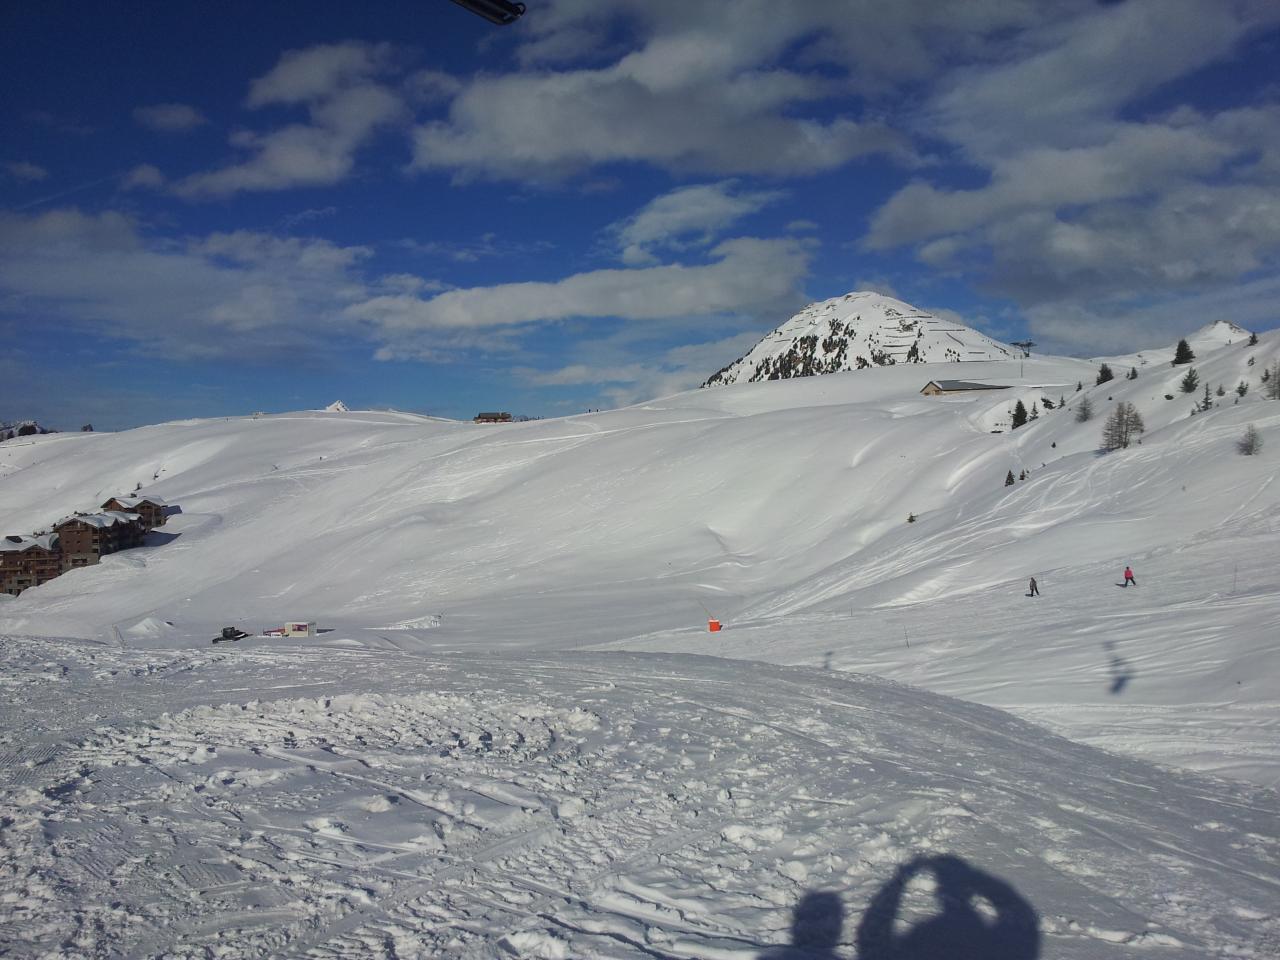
300,628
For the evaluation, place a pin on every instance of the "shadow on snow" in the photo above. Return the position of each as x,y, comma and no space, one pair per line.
976,917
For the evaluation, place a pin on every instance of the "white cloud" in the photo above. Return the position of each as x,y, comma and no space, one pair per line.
143,176
701,91
686,216
169,117
547,126
1091,205
254,296
770,88
606,364
1099,329
1068,78
28,172
749,274
237,295
577,374
320,72
1137,160
346,109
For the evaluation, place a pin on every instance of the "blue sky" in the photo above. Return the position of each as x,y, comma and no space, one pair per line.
211,210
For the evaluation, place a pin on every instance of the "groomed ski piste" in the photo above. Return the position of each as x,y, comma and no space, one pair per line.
516,737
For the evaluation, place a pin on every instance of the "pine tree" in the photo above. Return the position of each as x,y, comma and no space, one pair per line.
1183,354
1035,413
1008,480
1133,373
1253,339
1019,415
1122,427
1207,402
1271,378
1084,410
1242,388
1104,374
1190,381
1250,443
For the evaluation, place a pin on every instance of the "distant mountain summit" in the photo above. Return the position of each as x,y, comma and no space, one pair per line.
1219,333
859,330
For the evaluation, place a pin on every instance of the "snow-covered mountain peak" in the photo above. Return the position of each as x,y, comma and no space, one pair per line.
1217,334
858,330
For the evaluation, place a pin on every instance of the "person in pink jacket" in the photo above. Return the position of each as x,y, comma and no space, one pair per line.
1128,576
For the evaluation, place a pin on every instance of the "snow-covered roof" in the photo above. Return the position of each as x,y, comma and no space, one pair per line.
108,518
17,544
966,385
136,501
124,515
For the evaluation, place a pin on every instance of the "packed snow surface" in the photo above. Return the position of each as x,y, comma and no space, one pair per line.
473,759
295,801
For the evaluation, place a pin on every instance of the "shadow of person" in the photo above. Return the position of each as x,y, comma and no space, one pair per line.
981,918
816,924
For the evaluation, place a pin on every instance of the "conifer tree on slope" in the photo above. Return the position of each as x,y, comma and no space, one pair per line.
1122,427
1084,409
1183,353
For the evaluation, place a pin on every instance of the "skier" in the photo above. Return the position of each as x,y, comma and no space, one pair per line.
1128,577
1035,591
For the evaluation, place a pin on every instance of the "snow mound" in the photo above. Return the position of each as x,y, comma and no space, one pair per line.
151,627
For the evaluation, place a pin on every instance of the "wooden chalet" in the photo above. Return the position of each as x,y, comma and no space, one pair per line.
493,417
152,510
28,562
87,538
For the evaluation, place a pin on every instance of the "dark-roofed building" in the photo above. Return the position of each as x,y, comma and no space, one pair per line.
937,388
152,510
493,417
28,561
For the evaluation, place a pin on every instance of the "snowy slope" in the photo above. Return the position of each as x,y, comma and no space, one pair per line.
767,505
857,331
1212,336
284,800
447,771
